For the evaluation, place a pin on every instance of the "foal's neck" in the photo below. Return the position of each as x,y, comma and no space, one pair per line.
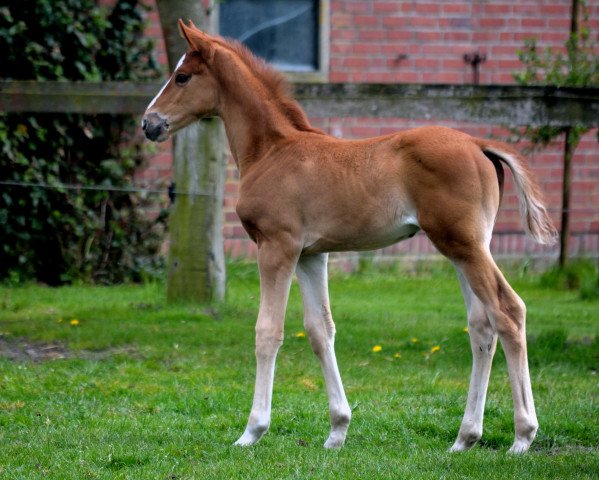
253,117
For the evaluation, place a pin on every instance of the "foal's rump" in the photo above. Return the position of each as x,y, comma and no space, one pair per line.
456,181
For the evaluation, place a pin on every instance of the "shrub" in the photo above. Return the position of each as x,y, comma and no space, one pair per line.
57,235
581,275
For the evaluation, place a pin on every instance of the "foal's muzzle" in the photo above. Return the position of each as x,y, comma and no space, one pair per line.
155,127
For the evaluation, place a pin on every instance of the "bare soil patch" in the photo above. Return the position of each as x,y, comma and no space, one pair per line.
25,350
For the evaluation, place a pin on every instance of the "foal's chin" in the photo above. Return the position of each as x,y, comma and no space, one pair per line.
163,137
174,128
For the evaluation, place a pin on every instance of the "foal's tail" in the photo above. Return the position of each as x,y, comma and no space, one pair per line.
536,221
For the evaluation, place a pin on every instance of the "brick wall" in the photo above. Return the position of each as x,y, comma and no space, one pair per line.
425,42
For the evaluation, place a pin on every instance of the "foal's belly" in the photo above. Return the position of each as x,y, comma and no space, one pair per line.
360,238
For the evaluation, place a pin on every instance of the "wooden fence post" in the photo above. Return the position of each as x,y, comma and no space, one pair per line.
196,266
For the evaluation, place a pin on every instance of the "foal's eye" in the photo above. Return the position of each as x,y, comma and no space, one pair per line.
182,78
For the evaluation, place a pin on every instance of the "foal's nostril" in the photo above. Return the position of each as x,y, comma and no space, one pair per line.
155,127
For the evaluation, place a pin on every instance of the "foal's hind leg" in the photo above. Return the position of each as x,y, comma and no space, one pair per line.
483,340
507,313
312,277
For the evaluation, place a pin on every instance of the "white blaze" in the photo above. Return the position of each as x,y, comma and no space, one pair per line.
181,60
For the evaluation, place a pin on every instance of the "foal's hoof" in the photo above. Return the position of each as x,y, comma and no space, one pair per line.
334,442
252,434
524,437
247,439
459,446
519,446
465,442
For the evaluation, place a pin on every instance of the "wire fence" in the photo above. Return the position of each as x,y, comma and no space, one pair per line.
172,192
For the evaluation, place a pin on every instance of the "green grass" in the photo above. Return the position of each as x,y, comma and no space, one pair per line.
156,391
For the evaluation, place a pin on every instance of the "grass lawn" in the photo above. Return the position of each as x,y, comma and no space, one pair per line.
125,386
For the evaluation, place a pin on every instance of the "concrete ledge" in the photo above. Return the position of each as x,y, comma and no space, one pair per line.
488,104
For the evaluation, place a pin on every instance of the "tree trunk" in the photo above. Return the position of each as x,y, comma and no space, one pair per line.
566,182
569,148
196,266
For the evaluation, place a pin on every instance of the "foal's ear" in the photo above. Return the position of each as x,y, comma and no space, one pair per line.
197,40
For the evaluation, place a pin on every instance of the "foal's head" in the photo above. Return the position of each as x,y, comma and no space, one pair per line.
189,94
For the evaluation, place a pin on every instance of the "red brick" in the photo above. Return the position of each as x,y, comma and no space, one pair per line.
339,77
558,23
428,9
548,38
342,20
492,23
372,35
499,8
457,36
407,77
344,34
364,131
424,22
231,217
504,50
427,63
401,35
449,77
385,7
457,8
454,63
366,20
429,36
534,23
435,50
341,48
556,10
485,36
395,22
366,48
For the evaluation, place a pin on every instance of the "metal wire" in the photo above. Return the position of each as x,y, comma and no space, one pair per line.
101,188
170,192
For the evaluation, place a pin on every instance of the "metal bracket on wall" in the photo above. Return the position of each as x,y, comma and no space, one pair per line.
474,59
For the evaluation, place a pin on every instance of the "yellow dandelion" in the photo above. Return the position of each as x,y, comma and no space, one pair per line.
300,334
414,340
436,348
309,384
397,355
465,330
74,322
377,348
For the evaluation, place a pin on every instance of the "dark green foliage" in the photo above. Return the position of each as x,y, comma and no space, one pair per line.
582,275
57,235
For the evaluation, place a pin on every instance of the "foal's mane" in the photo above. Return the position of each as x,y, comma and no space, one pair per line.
275,82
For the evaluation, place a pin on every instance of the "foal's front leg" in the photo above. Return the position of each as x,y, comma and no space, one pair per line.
312,277
276,264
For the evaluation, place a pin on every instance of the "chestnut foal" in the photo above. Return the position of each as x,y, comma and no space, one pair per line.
303,193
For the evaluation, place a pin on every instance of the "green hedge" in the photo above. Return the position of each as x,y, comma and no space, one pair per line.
58,235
